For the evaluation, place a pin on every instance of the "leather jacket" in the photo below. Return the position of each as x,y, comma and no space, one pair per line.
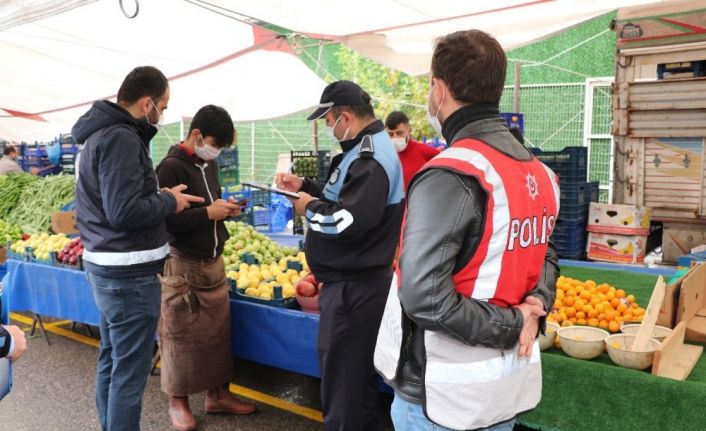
447,211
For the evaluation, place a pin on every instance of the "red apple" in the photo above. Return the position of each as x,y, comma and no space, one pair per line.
304,288
310,279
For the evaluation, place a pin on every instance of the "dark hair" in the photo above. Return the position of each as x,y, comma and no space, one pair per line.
395,119
362,112
140,82
515,131
9,149
214,121
472,64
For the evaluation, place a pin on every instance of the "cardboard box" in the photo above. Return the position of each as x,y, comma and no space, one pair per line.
692,304
616,248
679,239
64,222
619,219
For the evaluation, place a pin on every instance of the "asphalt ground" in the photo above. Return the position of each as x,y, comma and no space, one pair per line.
54,390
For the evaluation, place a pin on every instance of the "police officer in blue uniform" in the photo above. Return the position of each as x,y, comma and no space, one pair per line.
354,224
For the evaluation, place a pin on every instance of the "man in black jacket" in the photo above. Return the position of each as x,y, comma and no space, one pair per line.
354,223
477,271
121,215
194,330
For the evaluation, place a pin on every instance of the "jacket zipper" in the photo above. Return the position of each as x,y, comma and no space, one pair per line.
210,196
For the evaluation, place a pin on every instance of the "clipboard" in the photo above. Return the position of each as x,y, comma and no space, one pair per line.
272,189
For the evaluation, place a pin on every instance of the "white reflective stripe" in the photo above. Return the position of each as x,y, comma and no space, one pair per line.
125,258
555,185
490,268
345,217
484,371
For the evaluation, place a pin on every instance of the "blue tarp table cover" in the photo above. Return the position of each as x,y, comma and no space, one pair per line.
278,337
273,336
50,291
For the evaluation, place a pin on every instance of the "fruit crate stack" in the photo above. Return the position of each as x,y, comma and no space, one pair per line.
33,156
576,195
258,212
228,171
311,164
69,152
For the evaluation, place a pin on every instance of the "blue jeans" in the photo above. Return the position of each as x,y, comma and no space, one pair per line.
407,416
129,312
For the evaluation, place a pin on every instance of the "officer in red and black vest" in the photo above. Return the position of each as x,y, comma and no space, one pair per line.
477,272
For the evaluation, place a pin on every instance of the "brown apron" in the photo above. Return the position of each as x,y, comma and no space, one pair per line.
194,330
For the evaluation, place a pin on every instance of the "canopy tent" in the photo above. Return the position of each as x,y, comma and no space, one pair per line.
400,33
55,66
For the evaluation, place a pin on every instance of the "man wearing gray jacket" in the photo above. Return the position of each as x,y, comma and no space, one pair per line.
477,272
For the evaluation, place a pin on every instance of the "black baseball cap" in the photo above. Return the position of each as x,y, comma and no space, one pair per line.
340,93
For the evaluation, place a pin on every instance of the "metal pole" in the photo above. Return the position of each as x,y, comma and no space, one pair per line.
315,135
252,151
516,91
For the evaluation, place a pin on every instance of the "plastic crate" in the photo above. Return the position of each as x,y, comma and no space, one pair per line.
278,301
260,198
262,217
305,163
323,163
569,238
35,152
513,119
578,193
569,164
228,176
228,157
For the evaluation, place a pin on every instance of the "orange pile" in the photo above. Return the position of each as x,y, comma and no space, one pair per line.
585,303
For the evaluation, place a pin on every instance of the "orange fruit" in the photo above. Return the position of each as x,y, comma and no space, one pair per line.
579,304
556,317
569,301
602,297
621,308
610,315
614,326
593,290
580,315
587,309
639,318
602,316
559,294
571,292
593,322
557,304
610,295
557,343
590,283
620,293
571,311
566,323
603,324
572,320
595,301
639,311
563,316
599,307
586,294
631,299
592,314
615,303
628,317
603,288
619,319
581,322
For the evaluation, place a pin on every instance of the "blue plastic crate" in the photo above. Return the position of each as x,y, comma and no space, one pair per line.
579,253
262,217
35,152
569,238
513,119
228,157
569,164
571,211
260,198
578,193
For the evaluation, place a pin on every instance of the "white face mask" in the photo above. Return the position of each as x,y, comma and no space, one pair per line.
400,144
329,131
434,119
207,152
160,120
